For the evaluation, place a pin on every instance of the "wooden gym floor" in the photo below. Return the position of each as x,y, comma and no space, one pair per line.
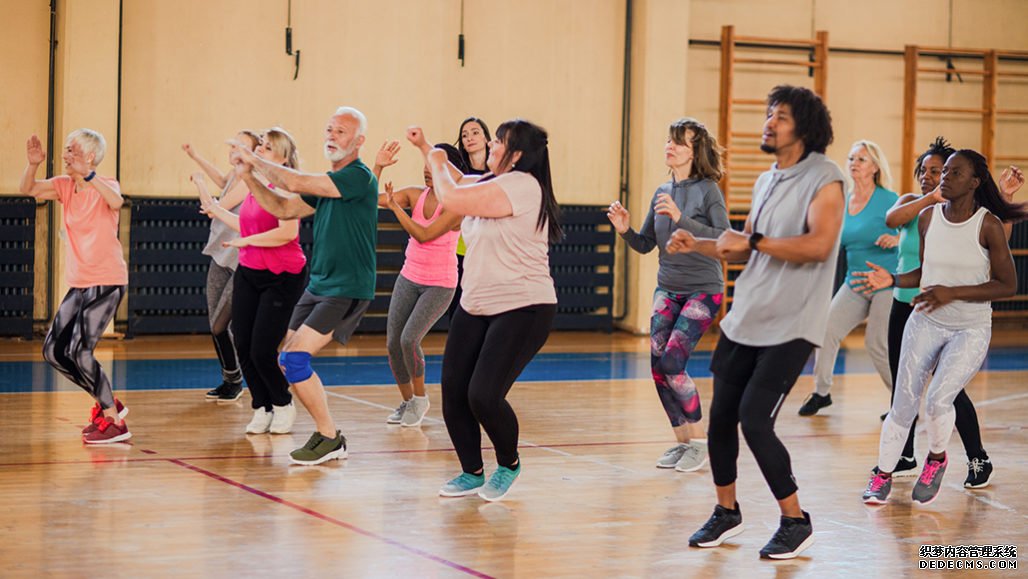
193,496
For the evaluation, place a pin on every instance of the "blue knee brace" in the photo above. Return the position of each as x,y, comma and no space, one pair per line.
297,366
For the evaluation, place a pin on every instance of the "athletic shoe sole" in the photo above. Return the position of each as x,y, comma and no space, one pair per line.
928,502
736,530
388,421
221,400
793,554
467,493
909,473
693,469
494,499
666,465
111,440
875,501
978,486
334,455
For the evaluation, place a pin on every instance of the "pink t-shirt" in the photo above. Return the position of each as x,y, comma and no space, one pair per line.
253,220
507,265
95,255
435,262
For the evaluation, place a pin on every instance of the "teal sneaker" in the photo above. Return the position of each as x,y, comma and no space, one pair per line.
320,449
462,485
499,484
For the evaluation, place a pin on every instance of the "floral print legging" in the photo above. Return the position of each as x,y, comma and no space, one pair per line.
677,323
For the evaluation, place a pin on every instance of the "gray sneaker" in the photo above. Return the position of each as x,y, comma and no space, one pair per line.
415,412
397,414
928,484
878,489
694,457
672,456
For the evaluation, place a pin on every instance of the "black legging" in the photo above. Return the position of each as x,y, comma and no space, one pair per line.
484,355
750,386
262,303
966,416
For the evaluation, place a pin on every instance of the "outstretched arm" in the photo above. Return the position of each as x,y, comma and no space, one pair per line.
220,179
317,184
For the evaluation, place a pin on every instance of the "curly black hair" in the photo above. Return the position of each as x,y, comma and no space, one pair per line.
939,147
813,121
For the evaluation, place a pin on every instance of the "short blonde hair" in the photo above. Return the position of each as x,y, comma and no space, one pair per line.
89,141
883,178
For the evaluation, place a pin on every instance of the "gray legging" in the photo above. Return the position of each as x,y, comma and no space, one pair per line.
80,322
413,310
849,309
219,314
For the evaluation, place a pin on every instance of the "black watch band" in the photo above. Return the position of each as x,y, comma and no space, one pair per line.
755,239
89,177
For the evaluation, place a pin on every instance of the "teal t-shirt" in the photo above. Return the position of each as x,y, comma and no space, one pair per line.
860,231
909,259
345,235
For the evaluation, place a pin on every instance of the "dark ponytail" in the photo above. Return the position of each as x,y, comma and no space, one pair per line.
987,194
532,142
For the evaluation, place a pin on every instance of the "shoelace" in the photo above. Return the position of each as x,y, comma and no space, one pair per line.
876,483
976,465
314,441
782,534
501,478
674,450
929,471
713,521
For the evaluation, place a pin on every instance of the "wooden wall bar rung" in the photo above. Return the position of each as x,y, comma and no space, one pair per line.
970,71
747,151
961,110
1012,74
1012,112
746,135
779,41
750,102
776,61
1005,158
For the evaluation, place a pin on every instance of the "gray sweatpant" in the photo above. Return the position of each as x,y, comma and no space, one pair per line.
847,310
955,356
413,310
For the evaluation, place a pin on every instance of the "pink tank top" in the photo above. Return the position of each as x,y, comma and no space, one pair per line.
253,220
433,263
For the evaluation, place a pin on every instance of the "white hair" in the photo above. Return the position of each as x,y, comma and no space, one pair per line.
89,141
883,177
362,121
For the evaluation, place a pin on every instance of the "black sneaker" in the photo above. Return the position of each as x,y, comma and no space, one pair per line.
979,471
815,402
792,537
907,466
230,392
214,393
723,524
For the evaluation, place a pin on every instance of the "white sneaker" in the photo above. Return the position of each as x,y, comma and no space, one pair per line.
397,414
283,418
260,422
417,408
694,457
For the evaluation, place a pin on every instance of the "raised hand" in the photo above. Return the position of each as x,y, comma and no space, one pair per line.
868,282
932,298
936,194
886,241
681,242
619,217
34,151
416,136
386,155
189,150
666,206
1010,181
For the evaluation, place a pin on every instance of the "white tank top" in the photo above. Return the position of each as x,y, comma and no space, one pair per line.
954,256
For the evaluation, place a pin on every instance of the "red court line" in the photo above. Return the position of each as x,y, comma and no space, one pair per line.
331,520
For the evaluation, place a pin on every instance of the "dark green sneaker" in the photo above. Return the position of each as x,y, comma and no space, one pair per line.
320,449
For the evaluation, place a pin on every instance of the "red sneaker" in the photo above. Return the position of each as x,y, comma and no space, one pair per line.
96,413
107,432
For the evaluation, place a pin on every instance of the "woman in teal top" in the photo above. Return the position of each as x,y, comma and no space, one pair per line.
865,237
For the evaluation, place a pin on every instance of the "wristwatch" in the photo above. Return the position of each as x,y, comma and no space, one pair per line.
755,239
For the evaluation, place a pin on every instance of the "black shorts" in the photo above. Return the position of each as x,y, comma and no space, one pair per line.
329,315
774,368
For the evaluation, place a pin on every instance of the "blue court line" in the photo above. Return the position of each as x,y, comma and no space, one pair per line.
366,370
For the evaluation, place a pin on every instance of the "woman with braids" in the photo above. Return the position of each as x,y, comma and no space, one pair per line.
689,285
509,302
903,215
965,264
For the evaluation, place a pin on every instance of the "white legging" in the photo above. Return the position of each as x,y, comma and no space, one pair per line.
956,356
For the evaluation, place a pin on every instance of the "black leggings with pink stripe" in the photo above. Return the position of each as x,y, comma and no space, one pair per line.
77,327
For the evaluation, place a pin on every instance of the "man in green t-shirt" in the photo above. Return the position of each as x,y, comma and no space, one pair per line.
344,203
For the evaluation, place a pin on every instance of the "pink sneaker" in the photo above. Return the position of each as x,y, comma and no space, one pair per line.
95,413
107,432
926,489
